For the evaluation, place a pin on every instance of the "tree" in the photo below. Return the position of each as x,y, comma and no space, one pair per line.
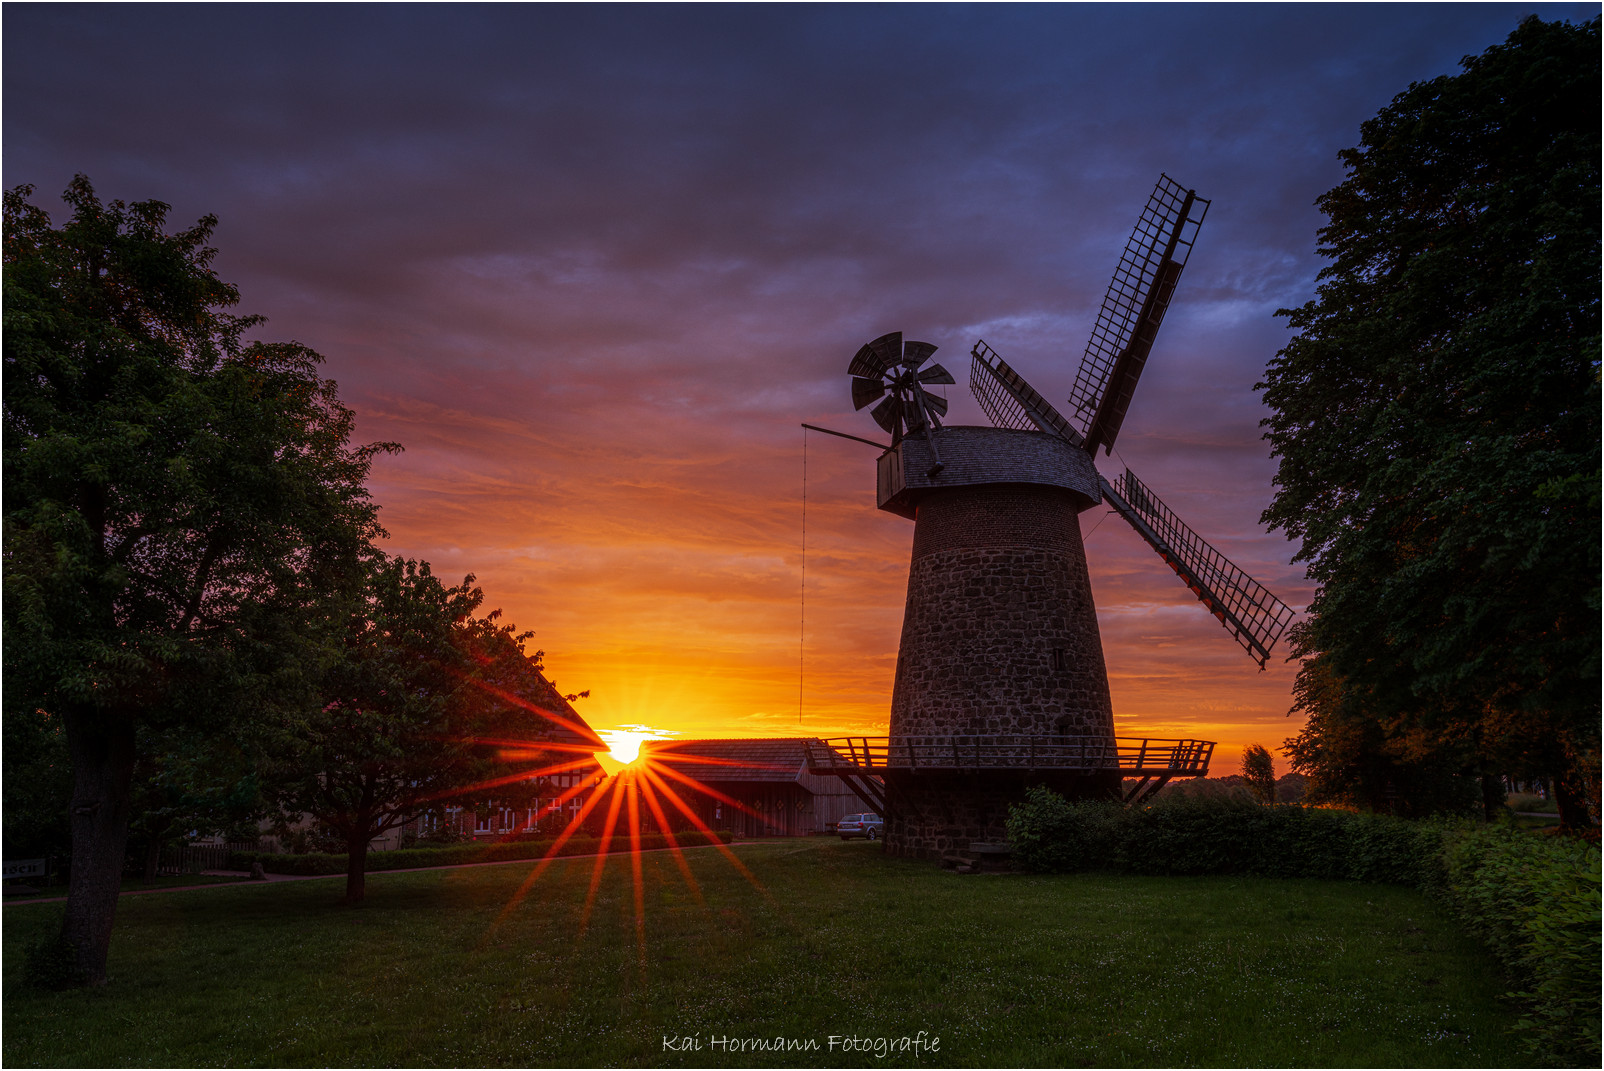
422,704
176,503
38,784
190,781
1436,417
1258,770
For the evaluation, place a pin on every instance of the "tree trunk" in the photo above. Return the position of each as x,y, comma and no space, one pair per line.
1492,797
101,745
153,858
356,868
1573,812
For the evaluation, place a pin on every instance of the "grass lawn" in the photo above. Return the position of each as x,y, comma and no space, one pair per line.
24,891
1006,970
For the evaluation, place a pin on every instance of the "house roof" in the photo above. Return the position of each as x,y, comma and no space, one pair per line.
560,718
762,759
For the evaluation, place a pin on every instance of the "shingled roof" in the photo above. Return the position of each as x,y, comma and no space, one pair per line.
561,719
774,759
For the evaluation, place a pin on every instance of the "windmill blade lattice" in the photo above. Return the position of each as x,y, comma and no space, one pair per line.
889,370
1133,308
1248,609
1008,401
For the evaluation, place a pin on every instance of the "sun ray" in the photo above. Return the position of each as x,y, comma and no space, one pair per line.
632,791
700,786
601,856
656,808
512,778
578,727
684,808
670,755
523,742
539,868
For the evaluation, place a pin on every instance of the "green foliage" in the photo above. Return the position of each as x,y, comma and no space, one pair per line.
1051,834
37,783
1436,417
1221,835
458,854
1534,900
177,502
174,495
1258,770
421,703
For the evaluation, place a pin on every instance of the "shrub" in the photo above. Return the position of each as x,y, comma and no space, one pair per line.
1534,900
1051,833
1222,835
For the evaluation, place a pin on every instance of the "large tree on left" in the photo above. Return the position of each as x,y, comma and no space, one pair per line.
176,503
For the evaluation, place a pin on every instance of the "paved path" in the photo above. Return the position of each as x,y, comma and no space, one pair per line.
245,878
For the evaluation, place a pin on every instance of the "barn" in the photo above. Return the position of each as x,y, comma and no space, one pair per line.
768,778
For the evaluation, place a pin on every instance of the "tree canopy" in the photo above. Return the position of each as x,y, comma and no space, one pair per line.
1436,417
176,502
421,703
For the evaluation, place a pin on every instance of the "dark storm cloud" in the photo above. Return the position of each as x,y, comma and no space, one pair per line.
594,264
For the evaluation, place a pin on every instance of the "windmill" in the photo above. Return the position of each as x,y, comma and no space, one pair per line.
1000,678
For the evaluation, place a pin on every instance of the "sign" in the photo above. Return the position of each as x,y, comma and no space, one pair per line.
25,868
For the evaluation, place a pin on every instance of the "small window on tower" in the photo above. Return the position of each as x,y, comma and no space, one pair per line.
1058,658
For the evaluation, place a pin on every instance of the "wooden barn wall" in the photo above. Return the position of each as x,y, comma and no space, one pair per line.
777,808
832,800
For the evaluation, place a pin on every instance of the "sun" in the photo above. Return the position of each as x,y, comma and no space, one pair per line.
624,744
636,796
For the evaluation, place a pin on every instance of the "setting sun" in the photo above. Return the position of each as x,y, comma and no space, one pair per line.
624,744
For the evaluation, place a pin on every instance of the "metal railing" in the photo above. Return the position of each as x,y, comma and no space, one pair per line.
873,755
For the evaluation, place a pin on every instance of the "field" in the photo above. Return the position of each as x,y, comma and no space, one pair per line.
834,940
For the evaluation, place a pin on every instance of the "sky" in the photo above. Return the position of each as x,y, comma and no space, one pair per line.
593,266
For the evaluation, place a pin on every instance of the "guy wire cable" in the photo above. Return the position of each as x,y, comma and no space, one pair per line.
802,624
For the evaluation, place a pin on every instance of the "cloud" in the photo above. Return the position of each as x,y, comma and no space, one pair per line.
594,265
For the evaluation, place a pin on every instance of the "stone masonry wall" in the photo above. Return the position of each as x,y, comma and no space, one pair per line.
999,637
929,815
1000,633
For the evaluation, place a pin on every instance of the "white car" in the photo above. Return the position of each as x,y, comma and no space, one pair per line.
868,826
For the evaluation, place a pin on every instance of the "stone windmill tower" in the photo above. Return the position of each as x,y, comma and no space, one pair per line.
1000,680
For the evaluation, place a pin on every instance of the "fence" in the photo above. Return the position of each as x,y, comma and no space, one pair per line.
194,858
1133,758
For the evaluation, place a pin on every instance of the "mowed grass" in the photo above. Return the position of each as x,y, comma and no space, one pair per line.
1006,970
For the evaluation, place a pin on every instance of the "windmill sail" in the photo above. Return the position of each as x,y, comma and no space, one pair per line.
1010,402
1133,308
1248,610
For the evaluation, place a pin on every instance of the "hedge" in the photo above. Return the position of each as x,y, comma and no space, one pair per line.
1532,898
1223,835
458,854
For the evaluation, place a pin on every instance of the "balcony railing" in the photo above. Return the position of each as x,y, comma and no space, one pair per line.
874,755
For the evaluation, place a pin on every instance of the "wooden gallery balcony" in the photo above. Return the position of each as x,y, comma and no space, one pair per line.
1153,763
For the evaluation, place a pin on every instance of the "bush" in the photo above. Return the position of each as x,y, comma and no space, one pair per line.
1533,899
455,855
1222,835
1051,833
